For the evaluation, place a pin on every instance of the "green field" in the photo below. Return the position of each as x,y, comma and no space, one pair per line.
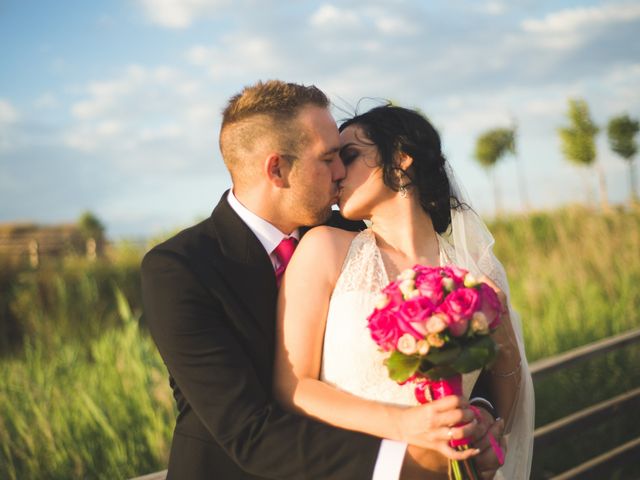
83,393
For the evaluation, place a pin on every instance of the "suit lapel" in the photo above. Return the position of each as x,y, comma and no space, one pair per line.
245,265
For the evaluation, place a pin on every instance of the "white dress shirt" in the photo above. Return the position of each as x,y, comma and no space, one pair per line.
391,453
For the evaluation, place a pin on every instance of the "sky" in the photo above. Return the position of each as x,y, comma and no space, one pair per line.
114,106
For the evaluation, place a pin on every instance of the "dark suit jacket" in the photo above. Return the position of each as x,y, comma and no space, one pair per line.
210,299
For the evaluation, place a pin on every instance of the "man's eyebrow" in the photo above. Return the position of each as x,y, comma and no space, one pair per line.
331,151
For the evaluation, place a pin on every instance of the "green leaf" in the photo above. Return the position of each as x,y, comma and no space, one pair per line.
401,366
478,353
443,356
444,371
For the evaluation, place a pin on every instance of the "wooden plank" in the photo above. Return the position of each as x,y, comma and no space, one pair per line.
153,476
554,431
557,362
600,466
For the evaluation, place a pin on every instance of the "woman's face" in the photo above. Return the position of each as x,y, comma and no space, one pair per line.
362,189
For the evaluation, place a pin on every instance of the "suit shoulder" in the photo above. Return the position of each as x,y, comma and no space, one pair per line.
192,242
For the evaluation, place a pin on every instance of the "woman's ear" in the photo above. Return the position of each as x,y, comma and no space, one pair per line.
277,170
404,161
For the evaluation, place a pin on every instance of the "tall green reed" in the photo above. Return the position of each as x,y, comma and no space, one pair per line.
573,275
100,409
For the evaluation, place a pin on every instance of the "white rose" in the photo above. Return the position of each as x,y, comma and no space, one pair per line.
407,344
406,287
479,323
422,346
413,294
448,284
382,300
470,281
436,323
408,274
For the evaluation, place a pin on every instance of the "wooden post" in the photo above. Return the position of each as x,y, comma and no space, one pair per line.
34,257
91,249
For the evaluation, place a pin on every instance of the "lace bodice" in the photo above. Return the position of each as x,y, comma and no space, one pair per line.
351,360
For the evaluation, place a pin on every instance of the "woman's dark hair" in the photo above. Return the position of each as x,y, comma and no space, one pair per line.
396,130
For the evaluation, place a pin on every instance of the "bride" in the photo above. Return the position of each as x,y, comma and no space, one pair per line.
327,366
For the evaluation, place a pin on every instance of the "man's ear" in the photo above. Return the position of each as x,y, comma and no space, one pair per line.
277,170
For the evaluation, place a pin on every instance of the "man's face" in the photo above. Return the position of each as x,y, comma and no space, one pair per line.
314,176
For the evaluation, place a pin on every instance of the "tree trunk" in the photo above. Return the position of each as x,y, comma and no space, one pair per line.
522,185
587,180
496,192
602,187
632,180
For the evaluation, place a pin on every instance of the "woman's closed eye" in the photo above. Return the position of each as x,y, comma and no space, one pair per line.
348,156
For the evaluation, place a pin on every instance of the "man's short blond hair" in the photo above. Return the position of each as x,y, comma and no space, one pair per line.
265,111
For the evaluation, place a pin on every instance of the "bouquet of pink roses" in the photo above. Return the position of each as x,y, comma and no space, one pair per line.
436,324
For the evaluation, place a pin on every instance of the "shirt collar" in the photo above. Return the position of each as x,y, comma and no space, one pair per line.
268,235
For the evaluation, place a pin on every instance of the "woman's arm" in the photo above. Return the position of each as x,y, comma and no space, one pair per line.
505,373
302,311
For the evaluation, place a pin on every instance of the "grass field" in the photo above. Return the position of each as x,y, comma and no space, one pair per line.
83,393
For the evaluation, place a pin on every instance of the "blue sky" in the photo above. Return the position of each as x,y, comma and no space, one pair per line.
114,106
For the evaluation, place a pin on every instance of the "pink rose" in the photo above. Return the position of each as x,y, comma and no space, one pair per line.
490,305
460,305
459,327
384,329
456,273
429,284
412,316
393,292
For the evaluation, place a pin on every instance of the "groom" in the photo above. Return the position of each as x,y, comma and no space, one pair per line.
210,300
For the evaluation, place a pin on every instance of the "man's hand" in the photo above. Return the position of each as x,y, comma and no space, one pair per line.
487,462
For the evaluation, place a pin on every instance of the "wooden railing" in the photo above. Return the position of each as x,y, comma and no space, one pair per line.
600,466
544,436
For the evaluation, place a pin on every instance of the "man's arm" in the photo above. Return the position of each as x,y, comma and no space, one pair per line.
211,368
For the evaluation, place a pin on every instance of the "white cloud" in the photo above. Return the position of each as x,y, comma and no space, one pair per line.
105,97
568,28
8,114
180,13
574,19
146,116
8,117
494,7
329,16
240,56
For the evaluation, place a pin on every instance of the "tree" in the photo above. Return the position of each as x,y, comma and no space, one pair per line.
621,131
491,146
578,142
522,184
92,230
90,226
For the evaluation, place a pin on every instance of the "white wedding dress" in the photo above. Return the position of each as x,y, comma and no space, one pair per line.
352,362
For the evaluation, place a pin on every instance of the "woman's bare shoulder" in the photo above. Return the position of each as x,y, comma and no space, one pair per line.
330,239
324,249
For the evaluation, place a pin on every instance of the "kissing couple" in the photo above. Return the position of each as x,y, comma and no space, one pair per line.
274,374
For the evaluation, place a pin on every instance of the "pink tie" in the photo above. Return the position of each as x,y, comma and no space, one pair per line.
284,252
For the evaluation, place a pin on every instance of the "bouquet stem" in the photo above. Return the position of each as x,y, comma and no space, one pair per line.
459,470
